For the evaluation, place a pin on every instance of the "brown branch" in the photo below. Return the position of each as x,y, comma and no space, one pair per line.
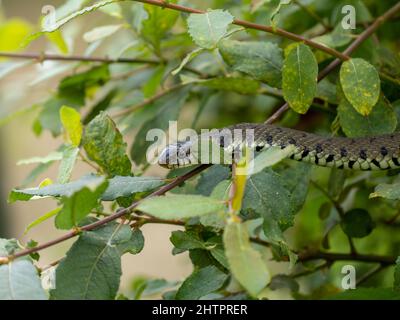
350,49
251,25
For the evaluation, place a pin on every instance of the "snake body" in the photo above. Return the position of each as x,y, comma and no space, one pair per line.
367,153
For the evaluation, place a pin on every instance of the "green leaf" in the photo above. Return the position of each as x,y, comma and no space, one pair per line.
52,156
104,145
134,245
299,77
217,219
91,269
80,204
276,12
201,282
127,186
73,88
53,27
71,121
19,279
239,85
361,85
117,187
381,120
246,264
49,117
357,223
295,178
388,191
57,38
8,247
41,219
180,206
102,32
191,55
267,196
269,157
209,28
274,235
396,282
102,105
337,38
150,88
261,60
67,164
367,294
157,25
210,178
186,240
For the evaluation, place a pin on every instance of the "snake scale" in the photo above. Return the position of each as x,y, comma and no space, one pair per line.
367,153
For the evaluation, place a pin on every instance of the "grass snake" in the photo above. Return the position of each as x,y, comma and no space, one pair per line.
367,153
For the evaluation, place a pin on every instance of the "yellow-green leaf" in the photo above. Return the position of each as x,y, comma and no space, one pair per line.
246,263
71,121
12,33
361,85
299,77
180,206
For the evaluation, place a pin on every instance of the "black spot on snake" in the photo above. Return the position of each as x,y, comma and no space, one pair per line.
363,154
330,158
305,153
376,162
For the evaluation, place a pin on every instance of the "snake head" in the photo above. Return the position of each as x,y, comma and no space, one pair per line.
176,155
